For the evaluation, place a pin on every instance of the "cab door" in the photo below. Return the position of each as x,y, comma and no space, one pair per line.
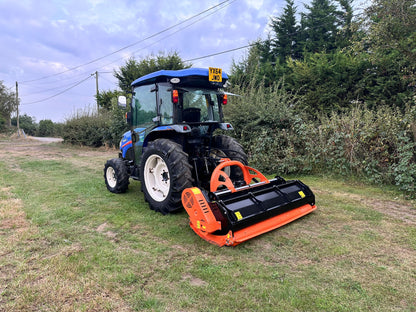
144,116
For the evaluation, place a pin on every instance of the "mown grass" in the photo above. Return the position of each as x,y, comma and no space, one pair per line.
67,244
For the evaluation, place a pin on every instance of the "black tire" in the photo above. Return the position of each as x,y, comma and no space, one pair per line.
234,151
164,173
116,175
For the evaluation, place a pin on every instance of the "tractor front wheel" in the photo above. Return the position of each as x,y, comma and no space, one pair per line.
116,175
164,173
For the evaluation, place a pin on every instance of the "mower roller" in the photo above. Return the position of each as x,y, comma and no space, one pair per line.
229,215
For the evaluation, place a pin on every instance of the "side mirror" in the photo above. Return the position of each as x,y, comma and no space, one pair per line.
122,101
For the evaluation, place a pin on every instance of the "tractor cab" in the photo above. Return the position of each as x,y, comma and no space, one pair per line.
163,103
173,97
182,105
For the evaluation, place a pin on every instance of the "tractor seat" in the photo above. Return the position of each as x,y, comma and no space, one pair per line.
191,114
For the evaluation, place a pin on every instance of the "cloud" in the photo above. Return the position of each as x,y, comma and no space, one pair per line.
44,38
256,4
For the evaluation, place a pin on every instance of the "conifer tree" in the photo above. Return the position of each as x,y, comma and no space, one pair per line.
285,42
345,23
390,44
319,26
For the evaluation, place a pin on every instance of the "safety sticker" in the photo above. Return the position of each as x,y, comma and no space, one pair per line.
238,215
302,194
196,190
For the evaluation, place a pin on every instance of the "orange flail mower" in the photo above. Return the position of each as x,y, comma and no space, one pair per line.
229,215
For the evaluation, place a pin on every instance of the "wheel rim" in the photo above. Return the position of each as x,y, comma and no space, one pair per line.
157,178
111,177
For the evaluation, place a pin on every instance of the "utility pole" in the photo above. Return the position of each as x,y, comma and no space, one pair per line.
96,86
17,110
97,92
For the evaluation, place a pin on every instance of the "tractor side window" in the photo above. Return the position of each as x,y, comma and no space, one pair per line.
144,106
165,102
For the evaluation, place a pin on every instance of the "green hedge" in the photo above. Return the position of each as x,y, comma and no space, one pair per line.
92,129
375,144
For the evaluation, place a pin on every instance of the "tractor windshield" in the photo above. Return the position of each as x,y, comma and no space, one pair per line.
200,105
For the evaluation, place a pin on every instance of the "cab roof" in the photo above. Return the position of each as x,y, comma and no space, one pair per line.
188,76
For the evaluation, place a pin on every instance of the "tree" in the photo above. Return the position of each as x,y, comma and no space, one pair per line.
46,128
285,42
7,103
390,23
328,82
27,123
134,69
106,98
2,123
390,44
346,31
319,26
259,64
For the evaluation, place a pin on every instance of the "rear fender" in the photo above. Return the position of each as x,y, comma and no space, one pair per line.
166,132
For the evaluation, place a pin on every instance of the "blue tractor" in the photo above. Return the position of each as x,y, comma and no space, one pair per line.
174,150
172,146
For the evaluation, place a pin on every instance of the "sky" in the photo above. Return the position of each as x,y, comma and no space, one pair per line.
52,48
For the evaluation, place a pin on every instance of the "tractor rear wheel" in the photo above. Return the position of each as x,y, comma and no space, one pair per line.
164,173
235,151
116,175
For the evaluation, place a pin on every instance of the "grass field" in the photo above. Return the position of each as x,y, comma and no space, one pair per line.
67,244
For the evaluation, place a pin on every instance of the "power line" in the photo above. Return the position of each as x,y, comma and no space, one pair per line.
253,44
171,34
189,60
53,89
218,7
219,53
128,46
55,95
108,80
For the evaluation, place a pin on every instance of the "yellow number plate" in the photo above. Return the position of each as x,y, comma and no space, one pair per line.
215,74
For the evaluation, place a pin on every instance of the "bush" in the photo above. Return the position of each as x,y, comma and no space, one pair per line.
117,126
267,126
2,124
86,129
92,129
27,123
378,145
46,128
